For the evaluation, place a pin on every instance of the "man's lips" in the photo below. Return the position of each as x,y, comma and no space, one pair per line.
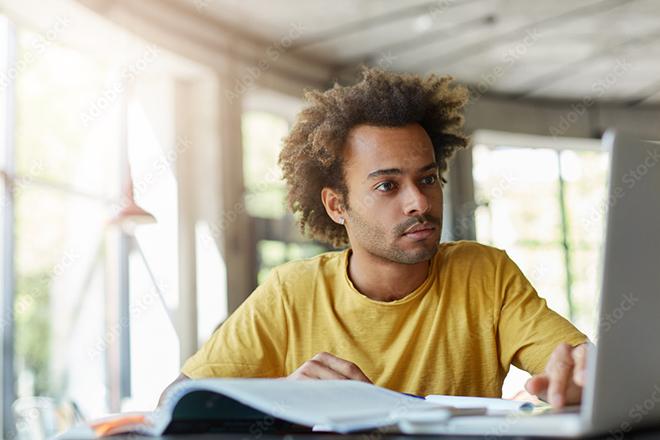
420,229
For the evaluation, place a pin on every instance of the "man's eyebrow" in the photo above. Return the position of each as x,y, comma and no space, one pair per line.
398,171
384,172
428,167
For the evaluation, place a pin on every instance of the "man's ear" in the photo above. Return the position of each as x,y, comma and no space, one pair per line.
332,202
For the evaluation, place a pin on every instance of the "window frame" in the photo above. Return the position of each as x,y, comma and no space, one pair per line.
494,139
10,182
7,243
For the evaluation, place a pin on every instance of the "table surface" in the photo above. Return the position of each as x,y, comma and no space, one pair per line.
375,435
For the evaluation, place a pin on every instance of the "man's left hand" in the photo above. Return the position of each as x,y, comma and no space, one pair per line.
561,383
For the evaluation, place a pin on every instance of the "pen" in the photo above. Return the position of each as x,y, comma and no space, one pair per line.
413,395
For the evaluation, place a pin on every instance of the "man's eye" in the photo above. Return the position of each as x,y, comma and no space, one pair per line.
429,180
385,187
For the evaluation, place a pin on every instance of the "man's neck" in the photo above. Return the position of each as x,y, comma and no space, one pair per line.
384,280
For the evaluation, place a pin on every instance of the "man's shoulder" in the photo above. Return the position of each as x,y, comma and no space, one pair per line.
481,264
470,249
471,255
307,270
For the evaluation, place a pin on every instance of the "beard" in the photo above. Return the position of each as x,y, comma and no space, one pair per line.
381,243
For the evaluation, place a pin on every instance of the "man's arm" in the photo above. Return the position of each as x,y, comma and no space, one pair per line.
181,378
538,340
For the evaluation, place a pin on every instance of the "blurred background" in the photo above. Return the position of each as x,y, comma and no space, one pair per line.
141,197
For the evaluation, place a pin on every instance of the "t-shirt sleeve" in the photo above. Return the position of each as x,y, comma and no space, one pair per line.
250,343
528,331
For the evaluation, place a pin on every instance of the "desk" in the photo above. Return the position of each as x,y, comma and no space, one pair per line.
375,435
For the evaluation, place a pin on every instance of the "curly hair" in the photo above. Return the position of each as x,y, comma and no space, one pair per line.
312,153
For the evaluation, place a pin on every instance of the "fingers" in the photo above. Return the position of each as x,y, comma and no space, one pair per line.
316,370
559,371
538,385
579,355
348,369
564,376
327,366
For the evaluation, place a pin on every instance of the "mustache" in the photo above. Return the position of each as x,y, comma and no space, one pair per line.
426,218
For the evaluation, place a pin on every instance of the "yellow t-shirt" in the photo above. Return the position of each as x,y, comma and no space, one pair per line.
457,333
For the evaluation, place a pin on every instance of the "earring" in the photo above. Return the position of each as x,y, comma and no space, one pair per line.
341,220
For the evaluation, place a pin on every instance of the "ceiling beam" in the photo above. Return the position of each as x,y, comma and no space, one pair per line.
572,68
461,53
418,41
383,19
645,94
193,35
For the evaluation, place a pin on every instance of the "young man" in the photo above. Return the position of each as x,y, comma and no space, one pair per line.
397,308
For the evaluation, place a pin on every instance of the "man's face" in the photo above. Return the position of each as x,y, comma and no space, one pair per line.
394,193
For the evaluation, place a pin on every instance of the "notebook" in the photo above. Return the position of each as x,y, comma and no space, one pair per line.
279,405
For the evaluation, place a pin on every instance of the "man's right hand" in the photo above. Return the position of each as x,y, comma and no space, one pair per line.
327,366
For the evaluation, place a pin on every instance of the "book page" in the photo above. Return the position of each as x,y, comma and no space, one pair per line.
340,404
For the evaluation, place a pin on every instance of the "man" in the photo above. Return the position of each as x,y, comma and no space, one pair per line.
397,308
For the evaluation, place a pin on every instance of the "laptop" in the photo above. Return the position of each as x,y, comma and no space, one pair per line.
623,388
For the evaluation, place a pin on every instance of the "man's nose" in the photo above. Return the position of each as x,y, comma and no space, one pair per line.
417,203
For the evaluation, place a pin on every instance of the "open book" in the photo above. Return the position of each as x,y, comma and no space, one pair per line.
259,406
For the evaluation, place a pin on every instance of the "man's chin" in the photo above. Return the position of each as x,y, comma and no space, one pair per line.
419,250
414,256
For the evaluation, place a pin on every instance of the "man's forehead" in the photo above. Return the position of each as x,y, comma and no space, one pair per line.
406,148
366,135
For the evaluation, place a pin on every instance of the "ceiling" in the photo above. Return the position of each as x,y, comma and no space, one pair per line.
580,50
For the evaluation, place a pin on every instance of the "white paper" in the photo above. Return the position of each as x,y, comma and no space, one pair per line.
492,404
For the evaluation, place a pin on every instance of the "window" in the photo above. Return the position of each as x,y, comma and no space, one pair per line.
265,190
540,205
7,278
65,180
278,240
65,175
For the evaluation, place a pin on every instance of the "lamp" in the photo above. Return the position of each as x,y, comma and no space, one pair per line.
131,214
